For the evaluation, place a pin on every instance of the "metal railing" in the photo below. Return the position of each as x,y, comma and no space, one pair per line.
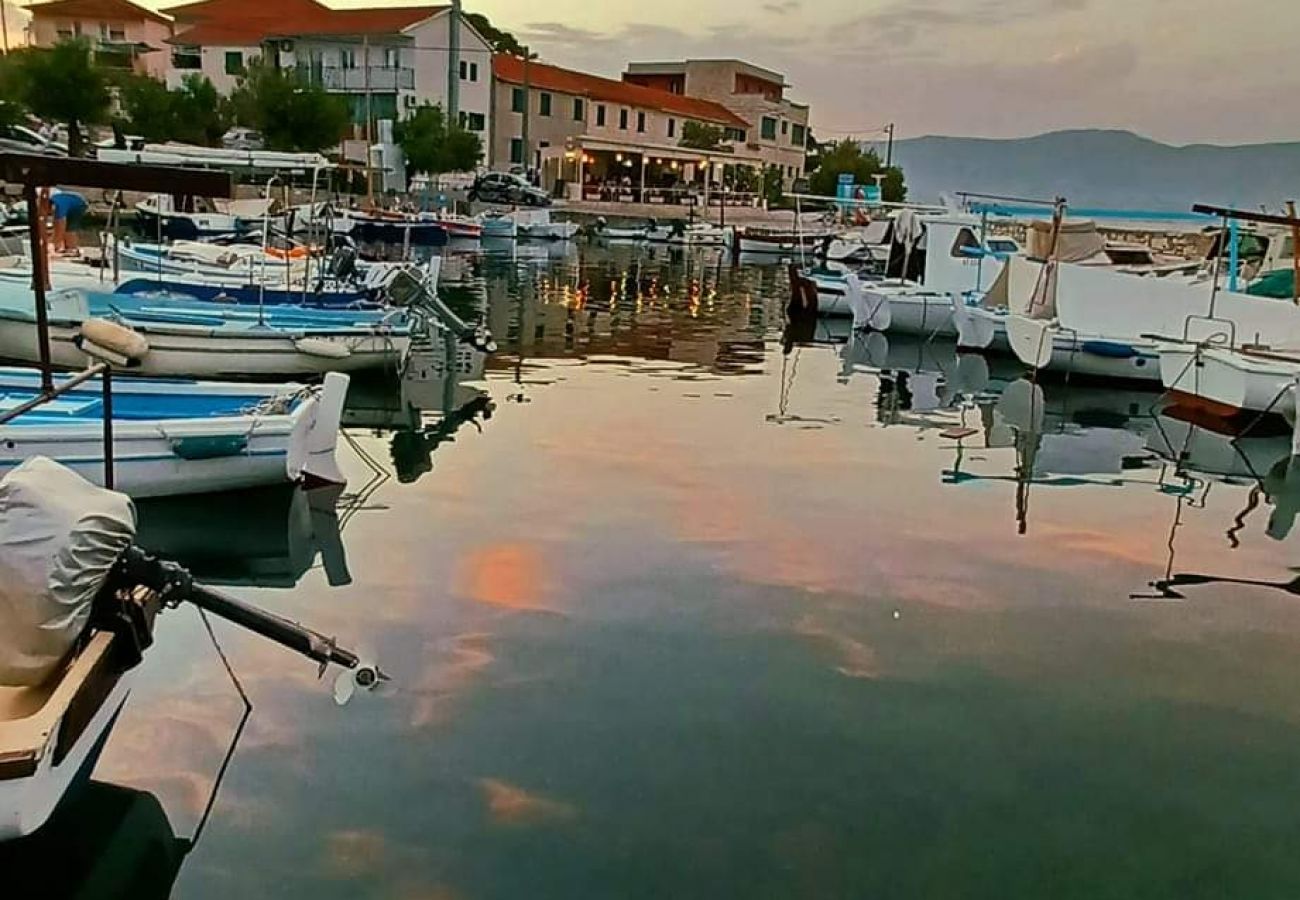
49,393
374,78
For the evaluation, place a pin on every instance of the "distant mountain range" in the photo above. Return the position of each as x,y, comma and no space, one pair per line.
1111,169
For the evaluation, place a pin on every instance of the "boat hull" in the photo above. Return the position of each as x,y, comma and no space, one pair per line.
183,227
1228,382
206,353
168,457
27,803
1044,346
779,246
555,231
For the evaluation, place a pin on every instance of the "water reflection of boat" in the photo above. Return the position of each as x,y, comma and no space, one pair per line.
105,842
1069,438
262,538
431,406
1215,452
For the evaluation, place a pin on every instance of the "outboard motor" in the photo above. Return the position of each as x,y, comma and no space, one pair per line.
343,264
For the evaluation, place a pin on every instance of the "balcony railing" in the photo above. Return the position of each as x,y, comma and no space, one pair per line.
381,78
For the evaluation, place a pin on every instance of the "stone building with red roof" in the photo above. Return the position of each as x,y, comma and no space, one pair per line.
387,61
607,135
778,127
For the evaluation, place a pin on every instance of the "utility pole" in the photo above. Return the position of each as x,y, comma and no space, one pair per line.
1295,253
370,121
453,66
889,147
528,109
4,23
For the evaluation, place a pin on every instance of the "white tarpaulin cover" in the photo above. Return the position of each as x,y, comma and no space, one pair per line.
59,536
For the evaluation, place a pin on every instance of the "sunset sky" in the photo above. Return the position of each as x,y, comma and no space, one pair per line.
1182,71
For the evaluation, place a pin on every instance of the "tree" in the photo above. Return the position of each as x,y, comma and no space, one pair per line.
13,105
745,180
501,41
848,157
63,84
290,112
202,115
146,108
698,136
432,145
193,113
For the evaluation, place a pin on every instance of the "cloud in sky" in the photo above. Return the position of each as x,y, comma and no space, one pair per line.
1178,70
981,67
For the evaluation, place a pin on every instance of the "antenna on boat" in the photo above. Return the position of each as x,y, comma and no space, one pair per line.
266,237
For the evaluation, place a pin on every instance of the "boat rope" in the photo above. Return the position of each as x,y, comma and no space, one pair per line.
379,476
235,739
1239,520
1265,412
1154,409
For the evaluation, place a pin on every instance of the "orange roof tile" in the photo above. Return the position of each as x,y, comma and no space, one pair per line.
250,22
111,10
510,69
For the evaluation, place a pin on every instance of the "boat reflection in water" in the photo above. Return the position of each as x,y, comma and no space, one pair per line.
104,842
431,406
260,538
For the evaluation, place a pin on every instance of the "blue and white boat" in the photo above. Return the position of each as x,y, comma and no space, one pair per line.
189,338
391,228
180,437
247,295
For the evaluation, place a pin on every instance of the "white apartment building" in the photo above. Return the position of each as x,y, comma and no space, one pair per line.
387,61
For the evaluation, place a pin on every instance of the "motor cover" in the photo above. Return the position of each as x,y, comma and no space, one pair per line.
59,538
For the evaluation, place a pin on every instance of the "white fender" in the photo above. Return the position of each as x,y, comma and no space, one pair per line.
869,310
319,463
1031,339
326,349
113,342
972,376
1023,406
975,332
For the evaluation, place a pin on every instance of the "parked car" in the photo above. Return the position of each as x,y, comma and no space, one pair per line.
243,139
502,187
24,140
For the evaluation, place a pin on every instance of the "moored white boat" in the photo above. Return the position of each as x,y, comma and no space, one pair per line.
1102,322
457,227
180,437
780,242
158,216
204,340
497,225
390,228
1226,381
537,225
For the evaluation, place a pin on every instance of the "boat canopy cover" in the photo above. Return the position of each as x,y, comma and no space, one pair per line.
1078,241
59,537
1277,285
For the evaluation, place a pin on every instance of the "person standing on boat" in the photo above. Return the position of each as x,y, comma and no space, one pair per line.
68,208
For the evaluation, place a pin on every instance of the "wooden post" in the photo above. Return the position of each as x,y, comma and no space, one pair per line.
40,268
1295,254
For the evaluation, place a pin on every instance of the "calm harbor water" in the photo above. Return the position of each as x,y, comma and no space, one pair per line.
673,612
